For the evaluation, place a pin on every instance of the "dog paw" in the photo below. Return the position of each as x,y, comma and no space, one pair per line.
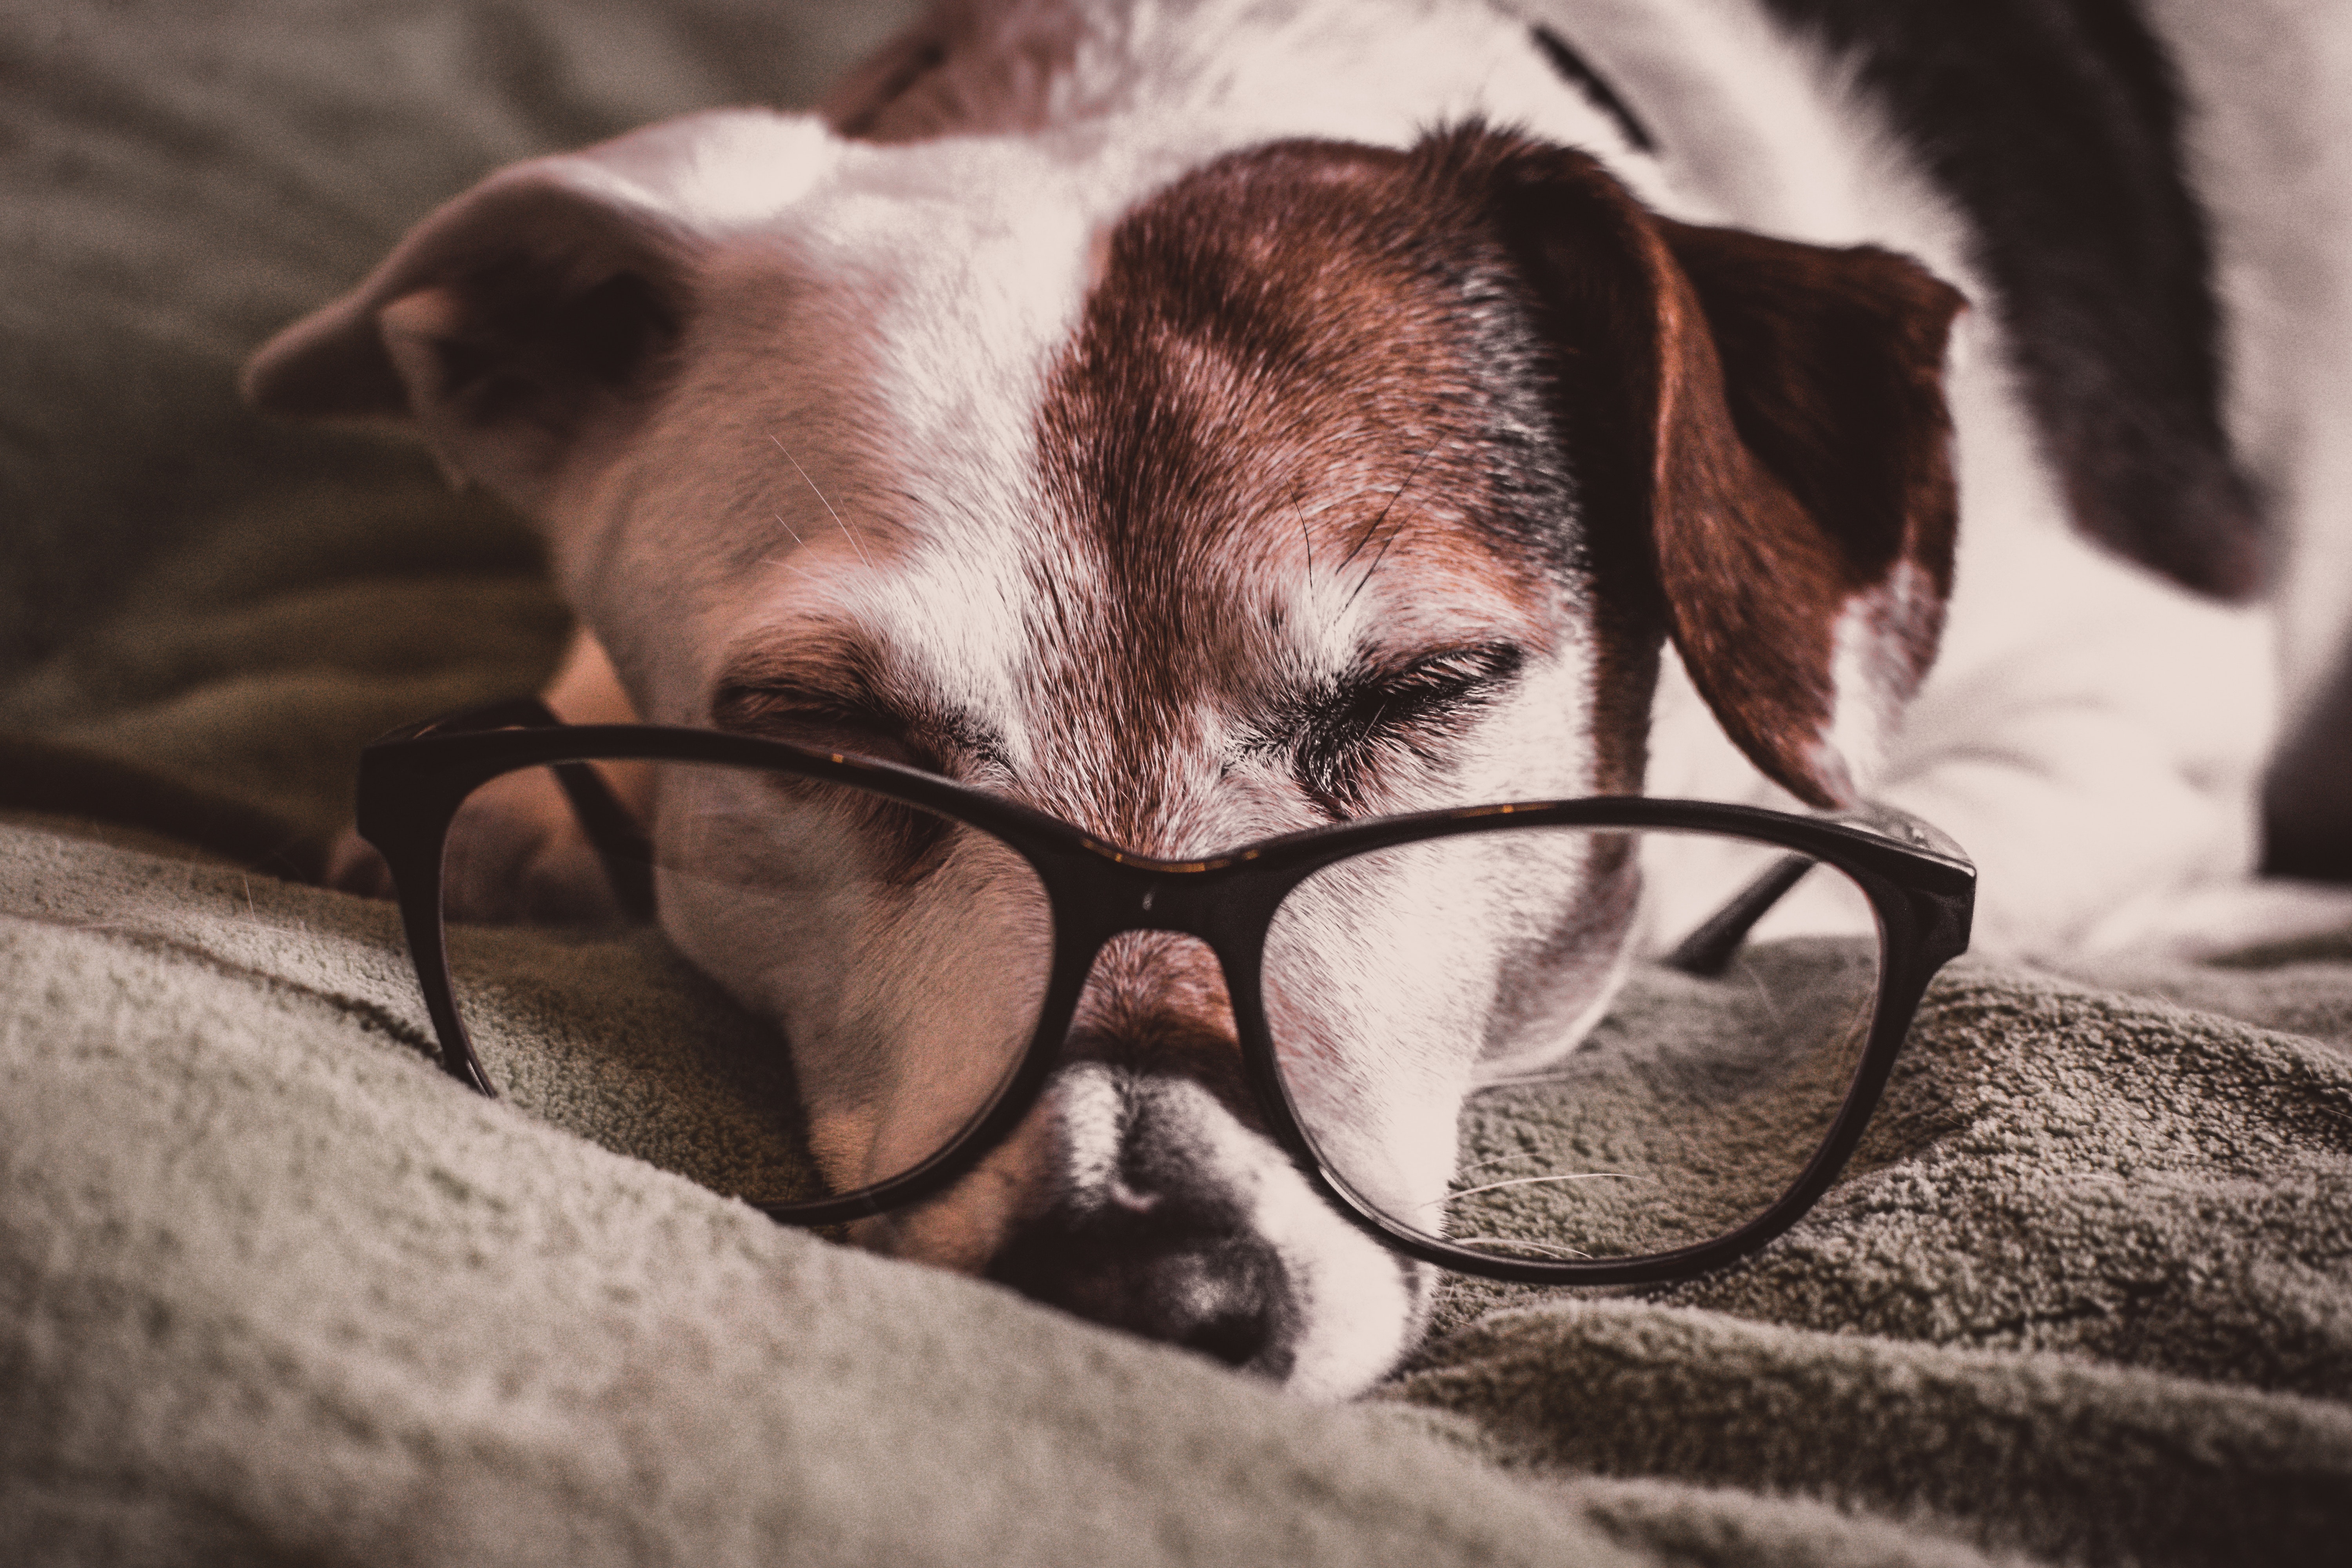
355,865
514,855
517,854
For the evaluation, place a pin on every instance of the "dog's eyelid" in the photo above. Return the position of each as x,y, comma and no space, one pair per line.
1385,692
855,720
1439,674
768,707
807,715
1412,700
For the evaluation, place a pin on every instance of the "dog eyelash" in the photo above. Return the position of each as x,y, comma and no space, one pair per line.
820,720
1413,709
853,716
906,844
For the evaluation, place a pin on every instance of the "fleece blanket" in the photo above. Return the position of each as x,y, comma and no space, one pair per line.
273,1289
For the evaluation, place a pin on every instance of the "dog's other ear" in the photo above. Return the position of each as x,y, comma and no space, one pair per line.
1785,441
521,328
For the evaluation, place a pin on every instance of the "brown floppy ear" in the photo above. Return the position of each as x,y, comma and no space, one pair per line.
520,328
1780,420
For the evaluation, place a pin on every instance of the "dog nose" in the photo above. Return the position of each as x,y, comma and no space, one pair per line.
1148,1228
1161,1266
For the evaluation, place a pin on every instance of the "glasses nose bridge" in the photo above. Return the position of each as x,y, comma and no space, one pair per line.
1158,997
1204,901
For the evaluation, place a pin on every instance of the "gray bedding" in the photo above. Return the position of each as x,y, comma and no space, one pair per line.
274,1290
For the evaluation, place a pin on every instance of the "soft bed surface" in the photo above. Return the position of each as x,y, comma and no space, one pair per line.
273,1290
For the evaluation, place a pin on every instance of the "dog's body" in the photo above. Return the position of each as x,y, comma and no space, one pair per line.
1092,391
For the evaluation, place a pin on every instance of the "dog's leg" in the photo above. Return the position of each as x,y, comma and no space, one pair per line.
2087,827
2093,802
586,690
517,850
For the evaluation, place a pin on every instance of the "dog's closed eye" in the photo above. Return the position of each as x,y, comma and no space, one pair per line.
823,720
1339,735
905,843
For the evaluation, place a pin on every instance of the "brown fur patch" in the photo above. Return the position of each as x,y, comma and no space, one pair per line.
1770,421
1310,358
1157,1002
1829,363
1483,366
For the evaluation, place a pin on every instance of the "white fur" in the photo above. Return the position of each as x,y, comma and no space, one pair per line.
1357,1309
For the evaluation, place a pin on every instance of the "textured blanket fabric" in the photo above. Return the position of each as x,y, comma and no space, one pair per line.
274,1290
2087,1283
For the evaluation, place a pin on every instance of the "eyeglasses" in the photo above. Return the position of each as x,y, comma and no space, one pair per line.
933,943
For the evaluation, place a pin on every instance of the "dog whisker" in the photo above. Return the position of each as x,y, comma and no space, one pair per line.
1386,544
1381,555
1520,1243
1496,1160
856,543
789,564
1374,526
1536,1182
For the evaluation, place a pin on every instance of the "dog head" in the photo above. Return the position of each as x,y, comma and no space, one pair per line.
1193,501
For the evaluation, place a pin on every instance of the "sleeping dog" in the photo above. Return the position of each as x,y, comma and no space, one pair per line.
1206,419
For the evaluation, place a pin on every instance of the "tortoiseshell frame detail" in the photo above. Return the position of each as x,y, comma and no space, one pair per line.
1922,888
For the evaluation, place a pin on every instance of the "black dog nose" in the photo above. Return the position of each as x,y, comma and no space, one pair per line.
1160,1272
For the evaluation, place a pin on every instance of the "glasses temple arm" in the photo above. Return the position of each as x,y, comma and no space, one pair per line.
1709,946
620,842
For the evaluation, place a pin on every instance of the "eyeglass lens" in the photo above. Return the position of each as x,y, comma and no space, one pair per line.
906,957
1455,969
907,954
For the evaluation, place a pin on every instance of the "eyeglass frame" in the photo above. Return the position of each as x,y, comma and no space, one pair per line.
1920,887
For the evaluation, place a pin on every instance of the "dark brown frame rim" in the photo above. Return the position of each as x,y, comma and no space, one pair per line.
1921,888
